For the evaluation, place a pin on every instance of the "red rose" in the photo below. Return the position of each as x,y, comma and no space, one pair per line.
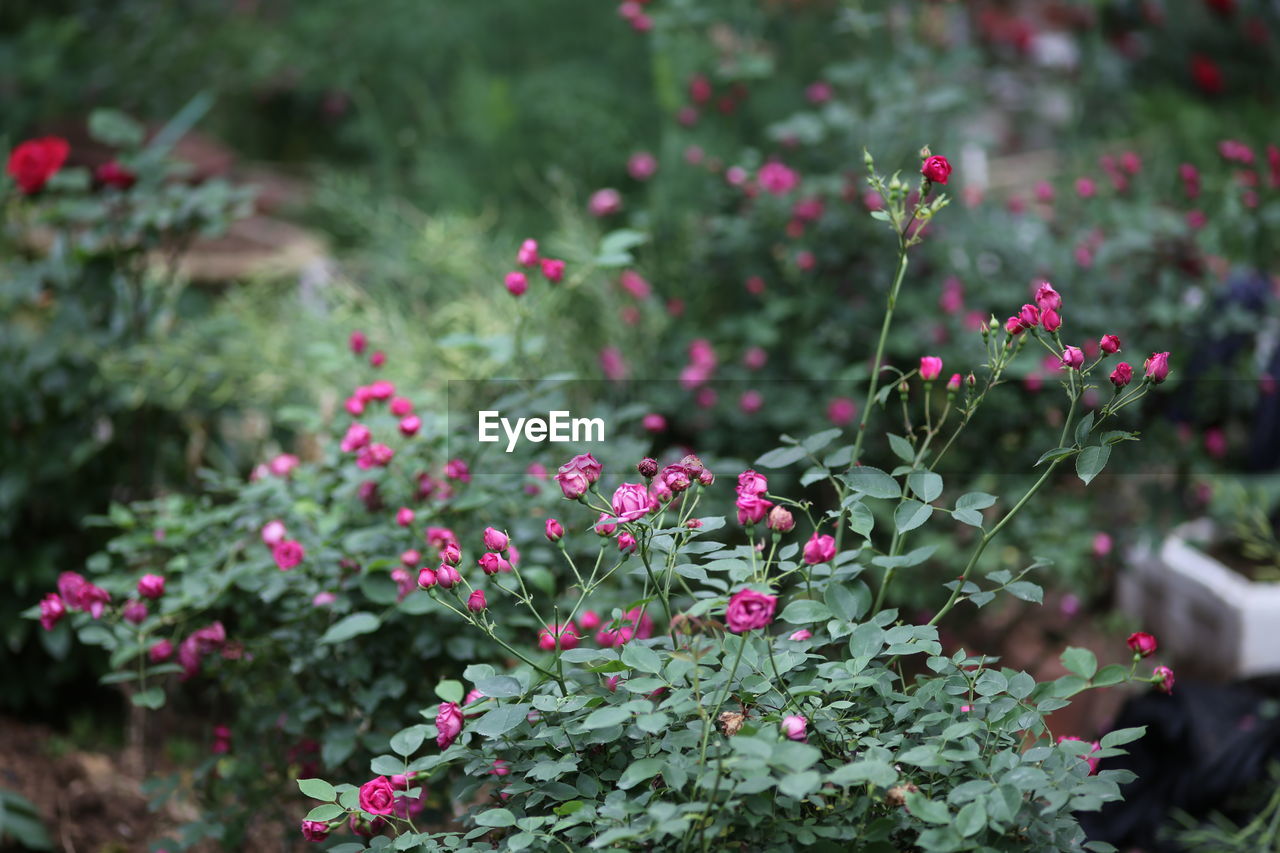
114,175
35,161
377,796
936,169
1142,644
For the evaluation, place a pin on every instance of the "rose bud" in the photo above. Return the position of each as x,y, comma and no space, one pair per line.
151,586
314,830
1072,358
517,283
749,610
705,477
35,161
1110,344
476,602
427,578
604,525
1157,367
801,635
410,425
589,620
567,634
1142,644
647,467
676,478
492,563
953,384
411,557
552,270
936,169
495,540
930,367
554,531
358,342
793,726
287,554
1050,320
780,520
626,543
160,652
612,683
1047,298
1164,677
404,516
1014,325
450,553
527,255
134,612
1029,315
819,549
378,359
1122,375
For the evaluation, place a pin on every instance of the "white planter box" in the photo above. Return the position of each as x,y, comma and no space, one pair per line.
1213,621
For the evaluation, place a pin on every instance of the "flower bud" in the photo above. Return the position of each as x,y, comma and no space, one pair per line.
404,516
936,169
527,254
451,553
1029,315
495,540
134,612
793,726
780,520
647,467
1110,344
800,636
552,270
1050,320
448,577
1122,375
476,602
517,283
1157,367
930,367
1164,677
426,579
1142,644
1072,358
411,557
492,562
410,425
626,543
953,384
705,477
151,586
554,530
1047,298
1014,325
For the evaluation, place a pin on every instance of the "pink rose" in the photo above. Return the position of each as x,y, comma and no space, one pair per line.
777,179
151,586
1110,344
492,562
819,549
377,796
288,554
930,367
936,169
1072,358
605,202
94,599
1164,678
404,516
314,830
1122,375
554,530
52,609
752,483
749,610
793,726
801,635
1157,367
630,501
566,634
494,539
527,254
160,651
476,602
780,520
134,612
1142,644
517,283
752,509
69,586
448,724
552,270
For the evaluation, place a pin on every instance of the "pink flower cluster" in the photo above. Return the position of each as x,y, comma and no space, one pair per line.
751,504
517,282
74,593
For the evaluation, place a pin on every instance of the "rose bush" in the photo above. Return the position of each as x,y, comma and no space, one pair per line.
711,727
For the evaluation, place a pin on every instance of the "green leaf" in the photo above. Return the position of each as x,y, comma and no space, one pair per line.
1055,454
317,789
930,811
451,691
1122,736
326,812
972,819
1109,675
799,785
152,697
1080,661
609,715
351,626
407,742
501,720
873,482
975,500
641,657
640,771
496,817
781,457
803,611
115,129
876,772
926,484
902,448
1083,429
968,516
848,601
497,687
1091,461
910,514
861,520
819,440
1026,591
